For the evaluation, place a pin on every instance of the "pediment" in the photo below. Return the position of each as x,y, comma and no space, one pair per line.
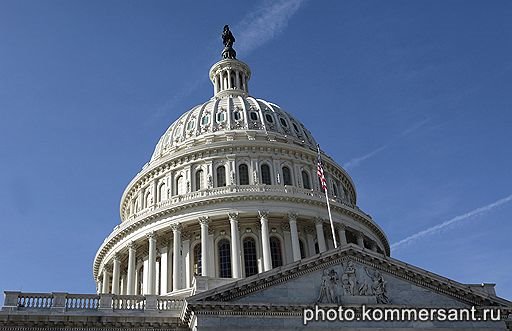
349,276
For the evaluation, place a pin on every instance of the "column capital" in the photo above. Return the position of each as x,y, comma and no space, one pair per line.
176,227
292,217
117,257
151,235
234,216
263,214
204,220
131,245
359,235
319,220
340,226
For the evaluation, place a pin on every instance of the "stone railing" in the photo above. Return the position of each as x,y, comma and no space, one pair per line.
103,303
236,190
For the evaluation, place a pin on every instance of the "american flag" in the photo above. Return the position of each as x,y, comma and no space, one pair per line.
320,172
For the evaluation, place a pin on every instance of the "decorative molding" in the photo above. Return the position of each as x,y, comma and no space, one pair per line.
292,217
263,214
233,216
204,220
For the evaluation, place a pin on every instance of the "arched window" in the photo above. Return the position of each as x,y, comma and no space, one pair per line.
162,193
275,252
302,249
196,266
148,200
199,180
287,176
317,248
334,189
224,258
250,258
265,174
305,180
243,174
221,176
180,185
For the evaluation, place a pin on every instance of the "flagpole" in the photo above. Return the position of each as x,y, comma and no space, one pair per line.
327,199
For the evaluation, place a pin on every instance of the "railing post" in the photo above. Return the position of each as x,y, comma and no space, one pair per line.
59,301
11,300
151,302
106,301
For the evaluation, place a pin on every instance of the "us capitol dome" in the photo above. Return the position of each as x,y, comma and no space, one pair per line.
231,190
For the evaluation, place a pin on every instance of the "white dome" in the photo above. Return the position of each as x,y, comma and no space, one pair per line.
237,113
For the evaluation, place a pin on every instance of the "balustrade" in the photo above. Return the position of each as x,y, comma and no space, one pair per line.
74,302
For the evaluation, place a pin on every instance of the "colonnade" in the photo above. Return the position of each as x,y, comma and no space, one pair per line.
110,278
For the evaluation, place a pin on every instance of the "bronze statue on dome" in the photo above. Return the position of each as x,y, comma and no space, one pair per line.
228,39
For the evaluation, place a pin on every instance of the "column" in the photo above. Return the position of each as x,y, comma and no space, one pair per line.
215,82
155,192
163,270
222,81
141,199
176,257
360,239
203,221
292,219
152,263
373,247
235,246
122,287
265,240
237,79
319,225
116,274
131,269
229,79
105,282
342,236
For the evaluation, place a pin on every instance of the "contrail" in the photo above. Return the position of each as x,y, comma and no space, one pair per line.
354,162
265,24
456,219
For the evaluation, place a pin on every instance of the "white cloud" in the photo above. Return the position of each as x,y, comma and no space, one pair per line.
264,24
456,219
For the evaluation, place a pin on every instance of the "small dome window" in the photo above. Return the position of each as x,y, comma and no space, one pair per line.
254,115
191,124
269,118
283,122
177,133
221,117
205,120
296,128
237,115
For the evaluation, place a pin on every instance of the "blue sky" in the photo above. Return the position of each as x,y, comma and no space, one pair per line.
412,97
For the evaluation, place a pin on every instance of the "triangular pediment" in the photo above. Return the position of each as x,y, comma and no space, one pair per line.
349,275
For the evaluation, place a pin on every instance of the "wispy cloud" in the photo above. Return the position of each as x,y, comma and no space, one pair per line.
456,219
265,23
255,29
354,162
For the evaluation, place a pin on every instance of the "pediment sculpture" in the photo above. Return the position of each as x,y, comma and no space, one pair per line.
349,283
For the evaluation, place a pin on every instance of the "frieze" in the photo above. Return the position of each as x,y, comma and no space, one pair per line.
348,283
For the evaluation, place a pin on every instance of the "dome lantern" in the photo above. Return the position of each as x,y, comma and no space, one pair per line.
229,76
